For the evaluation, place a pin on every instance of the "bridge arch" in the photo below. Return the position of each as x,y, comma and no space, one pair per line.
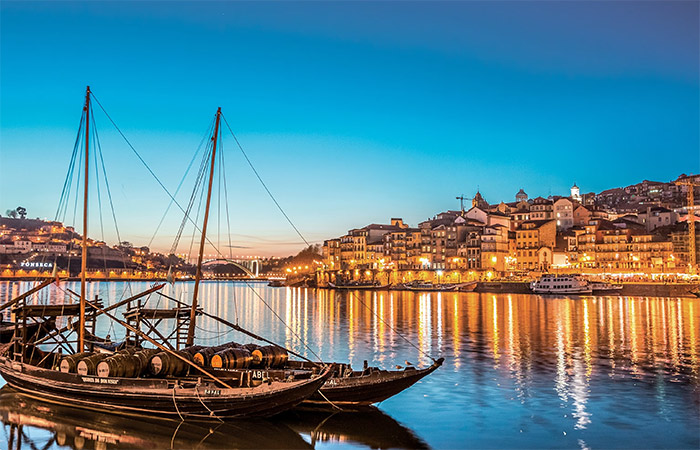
252,272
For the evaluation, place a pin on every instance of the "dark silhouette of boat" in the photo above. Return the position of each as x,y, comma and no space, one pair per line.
78,428
359,285
370,385
366,426
424,286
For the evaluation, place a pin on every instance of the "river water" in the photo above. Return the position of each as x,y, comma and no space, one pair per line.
520,371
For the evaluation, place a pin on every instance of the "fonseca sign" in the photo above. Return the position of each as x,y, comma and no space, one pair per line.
36,265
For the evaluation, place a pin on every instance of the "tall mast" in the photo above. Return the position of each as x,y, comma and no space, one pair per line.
83,263
198,276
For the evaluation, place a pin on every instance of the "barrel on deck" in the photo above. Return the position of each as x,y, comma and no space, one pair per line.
144,356
165,364
204,355
193,349
232,358
122,365
69,364
270,356
88,366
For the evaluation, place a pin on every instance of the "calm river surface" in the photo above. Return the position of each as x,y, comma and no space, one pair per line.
520,371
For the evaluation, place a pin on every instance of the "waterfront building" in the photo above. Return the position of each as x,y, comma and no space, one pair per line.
581,215
564,213
495,247
680,241
657,216
541,209
531,237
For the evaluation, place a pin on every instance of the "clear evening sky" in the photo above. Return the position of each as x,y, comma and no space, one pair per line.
352,112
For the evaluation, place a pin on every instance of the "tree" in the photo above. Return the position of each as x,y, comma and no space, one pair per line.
22,211
11,213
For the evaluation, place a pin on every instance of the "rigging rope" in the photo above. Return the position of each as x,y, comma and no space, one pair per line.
245,155
304,239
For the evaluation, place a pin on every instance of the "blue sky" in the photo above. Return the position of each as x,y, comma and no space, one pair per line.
352,112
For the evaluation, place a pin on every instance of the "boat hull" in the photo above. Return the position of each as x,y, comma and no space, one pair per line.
359,287
159,397
372,388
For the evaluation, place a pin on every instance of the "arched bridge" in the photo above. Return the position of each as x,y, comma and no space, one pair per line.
250,267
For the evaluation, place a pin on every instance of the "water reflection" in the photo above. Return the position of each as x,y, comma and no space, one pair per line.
33,424
557,366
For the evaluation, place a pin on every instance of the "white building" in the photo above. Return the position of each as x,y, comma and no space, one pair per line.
564,213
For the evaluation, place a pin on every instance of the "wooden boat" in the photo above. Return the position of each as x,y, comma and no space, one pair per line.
77,428
345,385
601,287
181,388
431,287
370,385
358,285
468,287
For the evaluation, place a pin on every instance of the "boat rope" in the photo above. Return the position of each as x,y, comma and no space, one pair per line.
392,328
175,404
283,322
329,402
138,155
240,147
63,201
172,439
160,346
249,333
179,186
211,413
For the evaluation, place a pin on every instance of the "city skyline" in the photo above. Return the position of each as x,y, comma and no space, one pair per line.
352,113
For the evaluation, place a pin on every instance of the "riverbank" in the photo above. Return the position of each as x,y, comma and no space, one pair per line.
628,289
637,289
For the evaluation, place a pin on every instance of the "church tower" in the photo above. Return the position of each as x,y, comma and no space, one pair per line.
575,193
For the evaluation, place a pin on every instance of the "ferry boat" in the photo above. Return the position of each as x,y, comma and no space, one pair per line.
561,284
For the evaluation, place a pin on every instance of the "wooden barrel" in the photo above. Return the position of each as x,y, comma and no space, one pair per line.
204,355
232,358
129,351
69,364
144,356
88,366
251,347
270,356
121,366
165,364
193,349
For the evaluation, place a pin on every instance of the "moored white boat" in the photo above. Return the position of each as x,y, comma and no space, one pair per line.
561,284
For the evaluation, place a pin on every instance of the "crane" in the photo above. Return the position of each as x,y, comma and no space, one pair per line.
691,219
461,199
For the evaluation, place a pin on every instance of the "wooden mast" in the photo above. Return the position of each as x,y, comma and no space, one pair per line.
83,263
198,275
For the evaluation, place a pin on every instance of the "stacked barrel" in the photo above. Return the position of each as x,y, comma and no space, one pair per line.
134,363
237,356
